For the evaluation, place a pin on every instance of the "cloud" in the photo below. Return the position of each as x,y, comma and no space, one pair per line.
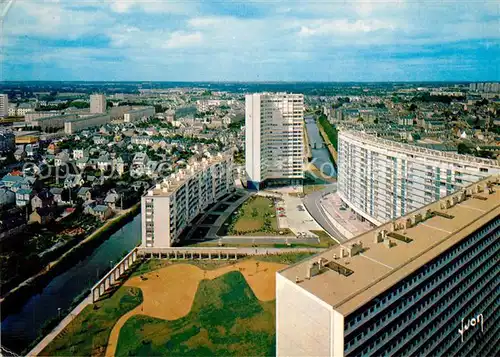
344,26
182,39
153,6
293,39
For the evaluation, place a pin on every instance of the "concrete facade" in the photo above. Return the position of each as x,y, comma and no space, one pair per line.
97,104
422,284
381,179
138,114
169,207
72,126
4,105
274,147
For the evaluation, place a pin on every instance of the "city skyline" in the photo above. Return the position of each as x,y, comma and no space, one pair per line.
229,41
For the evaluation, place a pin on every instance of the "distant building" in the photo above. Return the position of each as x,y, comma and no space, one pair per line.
274,147
98,103
4,105
74,125
138,114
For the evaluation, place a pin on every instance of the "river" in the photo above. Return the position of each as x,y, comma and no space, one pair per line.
320,155
21,328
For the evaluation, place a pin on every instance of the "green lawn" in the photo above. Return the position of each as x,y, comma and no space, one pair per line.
88,333
288,258
226,320
257,216
324,239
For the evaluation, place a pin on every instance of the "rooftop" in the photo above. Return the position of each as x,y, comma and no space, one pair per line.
358,270
175,181
416,150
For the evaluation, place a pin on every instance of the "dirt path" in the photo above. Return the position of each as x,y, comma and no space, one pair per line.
169,292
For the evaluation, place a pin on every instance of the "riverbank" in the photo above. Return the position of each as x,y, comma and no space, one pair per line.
17,296
307,146
331,149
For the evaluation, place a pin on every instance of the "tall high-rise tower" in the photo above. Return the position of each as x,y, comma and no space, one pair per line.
274,148
97,103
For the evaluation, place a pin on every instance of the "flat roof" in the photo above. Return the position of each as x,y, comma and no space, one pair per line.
177,180
379,267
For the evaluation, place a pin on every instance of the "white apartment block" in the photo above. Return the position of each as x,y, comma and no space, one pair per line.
274,148
138,114
4,105
169,207
97,104
381,179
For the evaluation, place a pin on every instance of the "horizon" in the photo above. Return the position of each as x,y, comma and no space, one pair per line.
362,41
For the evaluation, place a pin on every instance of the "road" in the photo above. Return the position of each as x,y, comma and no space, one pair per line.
312,204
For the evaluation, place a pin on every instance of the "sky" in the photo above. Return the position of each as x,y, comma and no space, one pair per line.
255,40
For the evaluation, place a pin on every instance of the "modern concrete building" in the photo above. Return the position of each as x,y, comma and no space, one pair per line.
97,104
138,114
34,116
4,105
53,122
274,148
426,284
382,179
169,207
74,125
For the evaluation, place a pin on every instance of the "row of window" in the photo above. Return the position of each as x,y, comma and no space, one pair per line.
416,279
418,304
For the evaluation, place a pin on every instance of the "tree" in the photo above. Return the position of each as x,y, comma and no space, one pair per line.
464,149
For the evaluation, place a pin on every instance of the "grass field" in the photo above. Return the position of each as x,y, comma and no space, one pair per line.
88,333
226,319
288,258
256,216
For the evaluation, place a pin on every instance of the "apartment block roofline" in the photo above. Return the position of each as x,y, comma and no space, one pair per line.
412,149
169,185
348,276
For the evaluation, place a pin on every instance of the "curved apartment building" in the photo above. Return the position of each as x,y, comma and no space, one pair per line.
381,179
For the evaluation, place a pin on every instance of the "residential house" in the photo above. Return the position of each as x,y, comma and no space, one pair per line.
19,154
141,140
80,153
99,140
104,162
73,181
23,197
7,197
85,193
101,211
82,163
61,159
42,215
112,200
57,195
43,199
10,180
139,164
120,165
